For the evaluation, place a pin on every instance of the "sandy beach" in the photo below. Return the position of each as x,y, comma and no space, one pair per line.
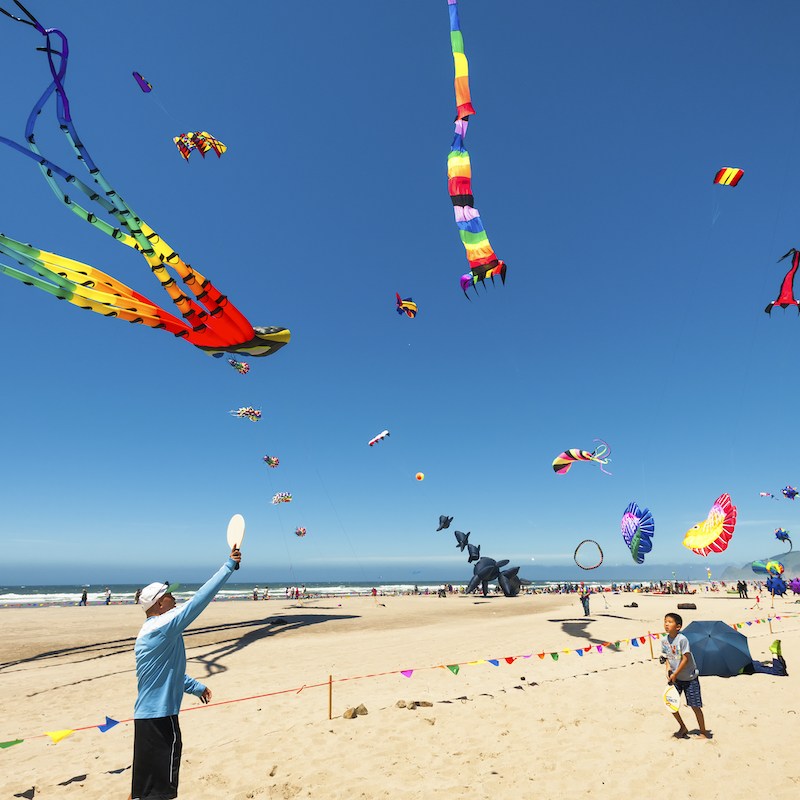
589,724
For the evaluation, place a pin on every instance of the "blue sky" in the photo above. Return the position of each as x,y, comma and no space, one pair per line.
633,308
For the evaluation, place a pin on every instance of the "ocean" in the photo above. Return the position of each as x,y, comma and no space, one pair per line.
123,593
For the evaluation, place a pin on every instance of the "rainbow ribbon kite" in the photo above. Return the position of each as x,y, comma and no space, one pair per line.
483,261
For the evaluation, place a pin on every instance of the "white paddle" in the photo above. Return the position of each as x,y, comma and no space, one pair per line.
236,533
672,699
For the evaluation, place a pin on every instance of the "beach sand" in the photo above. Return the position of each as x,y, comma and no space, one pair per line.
582,725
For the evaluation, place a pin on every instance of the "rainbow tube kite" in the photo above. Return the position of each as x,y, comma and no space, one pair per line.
483,261
728,176
210,321
768,567
715,532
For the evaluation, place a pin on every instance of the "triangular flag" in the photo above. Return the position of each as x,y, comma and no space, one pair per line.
566,652
758,622
406,673
554,656
599,648
777,617
748,623
642,639
453,668
6,745
510,659
635,642
579,652
738,624
57,736
626,641
108,724
616,644
473,663
541,655
494,662
587,649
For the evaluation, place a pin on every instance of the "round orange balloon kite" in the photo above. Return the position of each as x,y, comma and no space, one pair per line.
420,476
713,534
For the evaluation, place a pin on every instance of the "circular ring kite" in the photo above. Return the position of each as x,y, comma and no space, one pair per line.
587,566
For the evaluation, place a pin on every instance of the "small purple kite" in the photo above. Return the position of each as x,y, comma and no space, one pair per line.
144,85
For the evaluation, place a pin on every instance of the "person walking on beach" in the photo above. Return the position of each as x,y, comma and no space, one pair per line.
682,672
108,596
84,601
162,681
584,595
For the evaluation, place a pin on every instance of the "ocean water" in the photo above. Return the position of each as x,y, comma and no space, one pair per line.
123,593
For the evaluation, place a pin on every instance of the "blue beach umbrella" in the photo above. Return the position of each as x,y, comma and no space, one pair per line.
718,649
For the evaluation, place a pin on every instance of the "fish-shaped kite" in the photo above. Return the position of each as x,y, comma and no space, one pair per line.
462,539
638,528
600,455
444,522
474,552
783,536
406,306
380,437
715,532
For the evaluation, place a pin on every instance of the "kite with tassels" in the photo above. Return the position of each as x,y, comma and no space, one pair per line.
600,455
483,261
210,321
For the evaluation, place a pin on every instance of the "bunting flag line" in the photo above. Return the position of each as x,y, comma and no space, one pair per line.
634,641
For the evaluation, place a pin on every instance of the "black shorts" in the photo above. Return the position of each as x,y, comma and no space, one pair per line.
157,749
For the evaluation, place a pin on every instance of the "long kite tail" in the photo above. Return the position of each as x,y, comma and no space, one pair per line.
483,261
219,324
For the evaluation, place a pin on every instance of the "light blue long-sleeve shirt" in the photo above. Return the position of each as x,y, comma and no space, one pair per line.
161,656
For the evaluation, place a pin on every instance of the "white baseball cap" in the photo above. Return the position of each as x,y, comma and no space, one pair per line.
153,592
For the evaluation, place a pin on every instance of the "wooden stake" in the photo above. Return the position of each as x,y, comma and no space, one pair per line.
330,696
650,639
769,619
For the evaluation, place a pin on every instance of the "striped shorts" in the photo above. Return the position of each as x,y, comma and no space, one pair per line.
691,689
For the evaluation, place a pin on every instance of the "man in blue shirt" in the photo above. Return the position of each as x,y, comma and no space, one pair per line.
162,679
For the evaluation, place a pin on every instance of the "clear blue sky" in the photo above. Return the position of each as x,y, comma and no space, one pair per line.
633,308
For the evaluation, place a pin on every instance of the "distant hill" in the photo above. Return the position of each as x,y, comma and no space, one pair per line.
791,561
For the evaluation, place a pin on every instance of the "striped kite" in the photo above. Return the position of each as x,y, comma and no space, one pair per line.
406,306
786,293
713,534
483,261
638,528
728,176
562,463
379,438
210,321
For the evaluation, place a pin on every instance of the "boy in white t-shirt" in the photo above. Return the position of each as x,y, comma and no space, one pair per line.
682,672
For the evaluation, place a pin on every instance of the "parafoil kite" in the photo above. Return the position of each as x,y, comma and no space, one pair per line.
282,497
483,261
588,561
406,306
380,437
444,522
144,85
728,176
242,367
638,528
786,292
776,585
300,532
783,536
202,141
715,532
771,567
789,492
210,321
600,455
271,461
247,412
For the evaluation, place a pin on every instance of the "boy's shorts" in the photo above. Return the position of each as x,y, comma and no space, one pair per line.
692,691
